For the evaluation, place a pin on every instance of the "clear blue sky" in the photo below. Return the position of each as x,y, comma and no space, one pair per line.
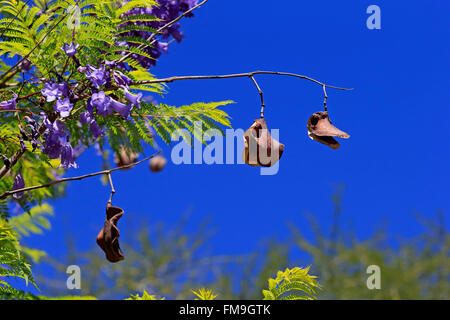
394,164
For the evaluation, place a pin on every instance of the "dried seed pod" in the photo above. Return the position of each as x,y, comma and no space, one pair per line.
157,163
260,148
320,129
123,158
108,237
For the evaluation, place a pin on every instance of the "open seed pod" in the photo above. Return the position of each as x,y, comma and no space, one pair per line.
108,237
260,148
321,130
157,163
123,158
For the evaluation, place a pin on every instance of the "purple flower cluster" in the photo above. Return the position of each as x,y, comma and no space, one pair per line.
102,103
167,11
56,143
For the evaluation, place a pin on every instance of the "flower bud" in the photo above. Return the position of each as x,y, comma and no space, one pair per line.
157,163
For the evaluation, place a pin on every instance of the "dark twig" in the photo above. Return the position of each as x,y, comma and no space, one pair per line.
260,94
237,75
325,97
107,172
112,187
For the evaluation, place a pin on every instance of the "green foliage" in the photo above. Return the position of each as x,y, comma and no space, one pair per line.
292,284
145,296
204,294
14,258
13,264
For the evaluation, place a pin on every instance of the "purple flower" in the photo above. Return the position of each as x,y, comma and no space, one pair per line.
122,109
63,107
19,183
54,90
70,49
163,46
67,157
98,76
52,145
102,102
9,104
121,79
85,117
134,99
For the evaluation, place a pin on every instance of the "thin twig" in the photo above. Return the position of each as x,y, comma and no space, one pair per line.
260,94
12,69
237,75
107,172
12,20
112,187
325,97
164,27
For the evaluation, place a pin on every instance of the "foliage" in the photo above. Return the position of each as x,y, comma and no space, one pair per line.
14,258
145,296
204,294
292,284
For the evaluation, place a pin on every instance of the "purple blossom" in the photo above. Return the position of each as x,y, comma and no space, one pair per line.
52,91
167,10
9,104
134,99
102,102
70,49
122,109
121,79
85,117
98,76
19,183
63,107
67,157
52,145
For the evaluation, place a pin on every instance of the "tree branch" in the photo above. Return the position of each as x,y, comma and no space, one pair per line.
239,75
107,172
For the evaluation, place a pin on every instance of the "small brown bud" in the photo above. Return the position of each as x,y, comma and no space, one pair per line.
157,163
321,130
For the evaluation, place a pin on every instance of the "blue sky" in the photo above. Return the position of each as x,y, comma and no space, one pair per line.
394,164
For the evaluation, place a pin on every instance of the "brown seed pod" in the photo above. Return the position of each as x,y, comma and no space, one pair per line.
157,163
321,130
123,158
108,237
260,148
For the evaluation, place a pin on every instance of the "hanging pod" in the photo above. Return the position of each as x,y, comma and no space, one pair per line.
108,237
260,148
321,130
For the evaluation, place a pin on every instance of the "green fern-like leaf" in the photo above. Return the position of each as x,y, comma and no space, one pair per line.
292,284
